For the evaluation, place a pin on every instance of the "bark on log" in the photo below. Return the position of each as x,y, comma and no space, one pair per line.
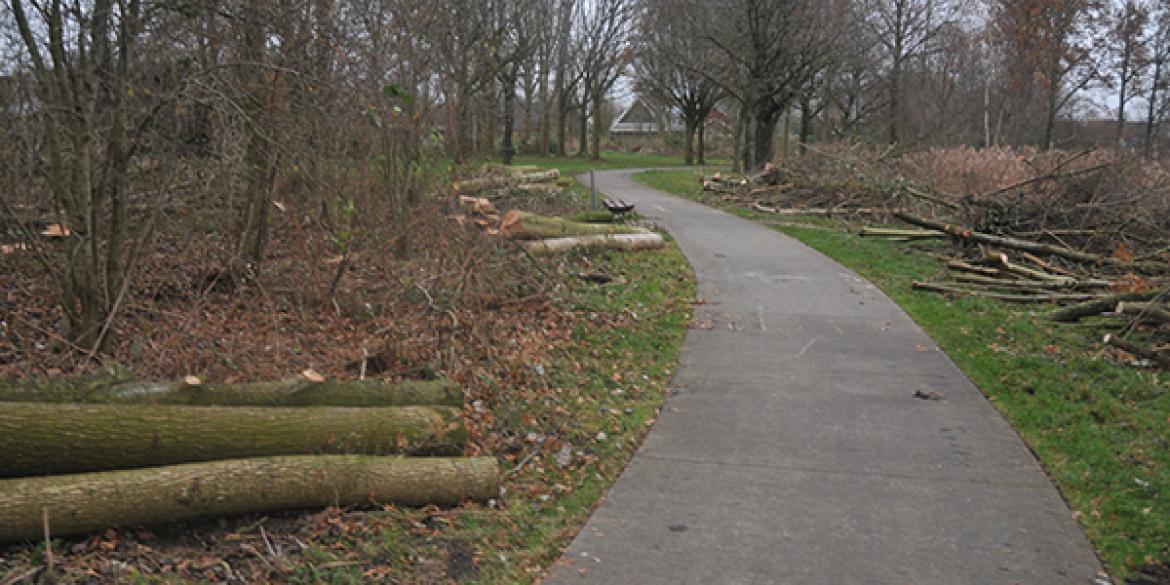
895,233
1101,305
1007,298
829,211
42,439
524,225
76,504
549,176
628,242
1028,246
1161,358
1015,284
599,216
1146,312
960,266
473,186
297,391
1000,260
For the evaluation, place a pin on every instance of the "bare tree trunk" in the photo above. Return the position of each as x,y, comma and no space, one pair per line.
702,143
583,131
595,149
545,111
689,140
760,130
507,150
805,123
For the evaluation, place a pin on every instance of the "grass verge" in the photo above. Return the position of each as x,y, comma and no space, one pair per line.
1101,430
603,392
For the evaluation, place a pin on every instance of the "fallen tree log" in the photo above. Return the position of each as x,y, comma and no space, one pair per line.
299,391
43,439
895,233
629,242
1161,358
1021,284
525,225
1146,312
829,211
1001,261
1029,246
1007,298
960,266
473,186
1102,305
76,504
549,176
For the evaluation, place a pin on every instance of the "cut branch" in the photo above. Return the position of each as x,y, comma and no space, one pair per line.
1027,246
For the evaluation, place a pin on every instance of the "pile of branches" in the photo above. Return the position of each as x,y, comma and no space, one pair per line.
1129,290
1089,230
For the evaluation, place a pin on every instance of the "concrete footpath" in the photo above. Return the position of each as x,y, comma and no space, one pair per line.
793,449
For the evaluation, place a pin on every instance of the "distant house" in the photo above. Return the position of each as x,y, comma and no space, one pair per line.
640,118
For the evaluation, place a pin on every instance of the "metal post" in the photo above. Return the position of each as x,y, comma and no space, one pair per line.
593,190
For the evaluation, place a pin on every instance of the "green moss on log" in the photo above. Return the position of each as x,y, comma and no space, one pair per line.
104,389
599,216
81,503
43,439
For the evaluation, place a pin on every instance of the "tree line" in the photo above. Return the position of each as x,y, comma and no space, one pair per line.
119,115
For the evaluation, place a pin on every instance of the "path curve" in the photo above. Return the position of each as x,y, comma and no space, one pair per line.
793,450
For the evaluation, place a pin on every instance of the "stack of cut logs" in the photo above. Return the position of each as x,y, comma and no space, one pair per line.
544,235
1130,294
83,454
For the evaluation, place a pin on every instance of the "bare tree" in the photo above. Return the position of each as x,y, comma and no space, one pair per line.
769,50
82,57
1159,57
1129,52
604,28
905,30
1048,43
669,67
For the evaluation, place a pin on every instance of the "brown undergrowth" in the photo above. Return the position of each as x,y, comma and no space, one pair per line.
449,301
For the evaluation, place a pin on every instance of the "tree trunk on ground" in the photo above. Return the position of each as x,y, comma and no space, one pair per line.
524,225
627,242
472,186
42,439
1104,304
291,392
76,504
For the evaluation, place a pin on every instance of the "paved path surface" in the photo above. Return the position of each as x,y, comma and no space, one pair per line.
795,452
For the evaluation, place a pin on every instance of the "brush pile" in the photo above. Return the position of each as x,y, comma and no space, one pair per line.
1089,229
